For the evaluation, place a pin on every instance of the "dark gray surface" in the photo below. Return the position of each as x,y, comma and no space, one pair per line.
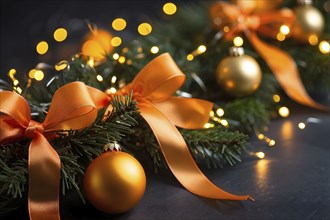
292,182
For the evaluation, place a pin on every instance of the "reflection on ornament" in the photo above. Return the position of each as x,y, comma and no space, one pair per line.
114,182
97,44
239,75
309,21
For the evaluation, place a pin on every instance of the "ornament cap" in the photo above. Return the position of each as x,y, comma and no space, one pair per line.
112,147
236,51
305,2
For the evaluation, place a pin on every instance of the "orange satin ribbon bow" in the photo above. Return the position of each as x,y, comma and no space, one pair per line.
281,63
72,107
152,89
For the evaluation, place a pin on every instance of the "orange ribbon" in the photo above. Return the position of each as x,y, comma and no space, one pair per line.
152,89
72,107
281,63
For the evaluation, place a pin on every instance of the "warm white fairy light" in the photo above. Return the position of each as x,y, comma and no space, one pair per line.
276,98
154,49
119,24
113,79
324,47
144,29
169,8
115,56
220,112
224,122
284,112
260,155
313,39
60,34
90,62
39,75
190,57
42,47
121,59
280,36
208,125
272,143
99,78
116,41
31,73
301,125
238,41
211,114
284,29
261,136
201,49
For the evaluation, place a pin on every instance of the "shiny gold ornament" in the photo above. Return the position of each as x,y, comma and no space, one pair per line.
239,75
258,6
309,21
97,44
114,182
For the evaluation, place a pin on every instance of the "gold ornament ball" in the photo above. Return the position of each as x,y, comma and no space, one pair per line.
97,44
114,182
309,20
239,75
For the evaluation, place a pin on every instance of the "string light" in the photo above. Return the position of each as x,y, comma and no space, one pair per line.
115,56
238,41
121,59
272,143
261,136
190,57
154,49
113,79
280,36
211,114
313,39
18,89
119,24
99,78
60,65
226,29
324,47
112,90
60,34
90,62
169,8
220,112
31,73
284,29
39,75
116,41
42,47
144,29
208,125
15,82
284,112
301,125
224,122
260,155
201,49
276,98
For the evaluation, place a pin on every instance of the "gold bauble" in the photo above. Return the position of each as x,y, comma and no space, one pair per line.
309,21
97,44
114,182
258,6
239,75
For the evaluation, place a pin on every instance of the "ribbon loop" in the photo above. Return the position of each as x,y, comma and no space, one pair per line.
32,128
72,107
152,90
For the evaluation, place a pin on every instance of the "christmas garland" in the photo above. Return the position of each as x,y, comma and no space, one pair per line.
197,47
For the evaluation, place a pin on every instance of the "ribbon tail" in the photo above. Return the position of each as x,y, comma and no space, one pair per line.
44,180
285,70
179,159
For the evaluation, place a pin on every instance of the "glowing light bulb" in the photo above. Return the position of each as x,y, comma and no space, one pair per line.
113,79
39,75
31,73
115,56
15,82
99,78
260,155
284,112
211,113
238,41
284,29
60,34
169,8
224,122
121,59
116,41
154,50
60,65
190,57
272,143
301,125
261,136
201,49
324,47
144,29
313,39
226,29
90,62
280,36
207,125
119,24
220,112
276,98
42,47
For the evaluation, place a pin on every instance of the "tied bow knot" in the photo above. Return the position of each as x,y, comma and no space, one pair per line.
74,106
32,128
239,19
153,90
